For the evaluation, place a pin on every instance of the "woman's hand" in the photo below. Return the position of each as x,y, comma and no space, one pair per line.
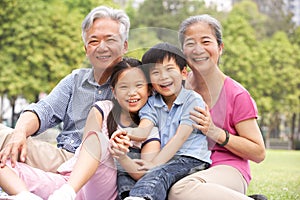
202,118
205,124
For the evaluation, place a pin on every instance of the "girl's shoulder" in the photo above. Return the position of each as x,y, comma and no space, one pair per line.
104,106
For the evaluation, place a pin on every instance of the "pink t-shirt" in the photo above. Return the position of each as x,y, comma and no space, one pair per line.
233,106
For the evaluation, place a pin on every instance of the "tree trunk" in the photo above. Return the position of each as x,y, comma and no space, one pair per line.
12,101
293,125
1,109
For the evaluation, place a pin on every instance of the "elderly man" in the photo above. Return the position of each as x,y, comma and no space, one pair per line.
105,36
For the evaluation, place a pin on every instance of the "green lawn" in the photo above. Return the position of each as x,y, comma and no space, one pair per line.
278,176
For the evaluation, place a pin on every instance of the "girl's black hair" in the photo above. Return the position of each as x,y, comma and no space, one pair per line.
114,115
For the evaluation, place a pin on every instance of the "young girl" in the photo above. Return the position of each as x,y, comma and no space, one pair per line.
91,173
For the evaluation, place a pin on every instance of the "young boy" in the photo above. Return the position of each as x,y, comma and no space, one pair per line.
183,148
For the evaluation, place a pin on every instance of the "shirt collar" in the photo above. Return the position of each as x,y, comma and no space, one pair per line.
159,102
89,77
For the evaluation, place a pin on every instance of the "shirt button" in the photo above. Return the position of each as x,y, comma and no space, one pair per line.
72,141
99,92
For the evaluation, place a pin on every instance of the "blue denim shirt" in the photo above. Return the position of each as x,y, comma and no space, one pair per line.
69,102
168,121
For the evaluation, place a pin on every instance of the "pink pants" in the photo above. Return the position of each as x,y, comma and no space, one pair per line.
38,181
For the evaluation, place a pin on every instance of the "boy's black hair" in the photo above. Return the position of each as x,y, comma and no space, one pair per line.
158,53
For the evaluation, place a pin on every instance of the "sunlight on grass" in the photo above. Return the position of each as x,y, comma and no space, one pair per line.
278,176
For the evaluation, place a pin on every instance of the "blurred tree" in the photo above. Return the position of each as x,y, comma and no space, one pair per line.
85,6
250,12
40,42
285,61
279,19
166,15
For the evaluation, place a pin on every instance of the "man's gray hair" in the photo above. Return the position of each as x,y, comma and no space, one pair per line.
106,12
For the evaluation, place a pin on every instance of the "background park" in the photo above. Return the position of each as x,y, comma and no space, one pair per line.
40,43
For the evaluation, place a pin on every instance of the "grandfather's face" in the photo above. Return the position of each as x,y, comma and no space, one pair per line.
104,46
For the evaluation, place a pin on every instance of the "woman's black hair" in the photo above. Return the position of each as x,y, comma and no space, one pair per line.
114,115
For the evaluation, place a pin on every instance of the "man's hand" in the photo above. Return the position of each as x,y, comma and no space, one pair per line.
16,145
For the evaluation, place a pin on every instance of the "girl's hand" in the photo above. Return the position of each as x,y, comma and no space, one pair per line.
119,144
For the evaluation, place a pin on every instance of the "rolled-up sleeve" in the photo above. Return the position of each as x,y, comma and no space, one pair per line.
52,109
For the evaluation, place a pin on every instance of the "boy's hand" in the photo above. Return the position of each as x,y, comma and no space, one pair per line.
144,165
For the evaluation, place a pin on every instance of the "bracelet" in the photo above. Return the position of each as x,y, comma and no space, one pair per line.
226,140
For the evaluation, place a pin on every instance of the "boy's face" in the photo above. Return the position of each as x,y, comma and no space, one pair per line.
166,78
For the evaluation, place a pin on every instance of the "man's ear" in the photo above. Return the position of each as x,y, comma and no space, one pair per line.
125,47
85,49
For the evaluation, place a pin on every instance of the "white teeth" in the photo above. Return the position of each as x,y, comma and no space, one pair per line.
102,57
132,100
200,59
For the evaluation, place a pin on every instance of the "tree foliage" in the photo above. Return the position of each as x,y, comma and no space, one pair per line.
40,44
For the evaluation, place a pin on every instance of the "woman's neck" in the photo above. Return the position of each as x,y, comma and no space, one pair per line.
209,86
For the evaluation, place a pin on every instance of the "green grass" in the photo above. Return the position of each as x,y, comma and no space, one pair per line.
278,176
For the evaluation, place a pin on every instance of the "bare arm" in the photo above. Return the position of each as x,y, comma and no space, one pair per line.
27,124
141,132
149,151
170,149
87,162
90,152
248,144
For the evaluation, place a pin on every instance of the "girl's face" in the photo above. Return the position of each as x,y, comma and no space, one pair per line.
131,90
200,47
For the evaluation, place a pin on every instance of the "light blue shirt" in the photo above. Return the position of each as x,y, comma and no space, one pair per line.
168,121
70,102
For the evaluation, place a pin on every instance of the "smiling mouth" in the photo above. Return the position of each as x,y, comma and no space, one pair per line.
103,57
165,85
200,59
133,100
